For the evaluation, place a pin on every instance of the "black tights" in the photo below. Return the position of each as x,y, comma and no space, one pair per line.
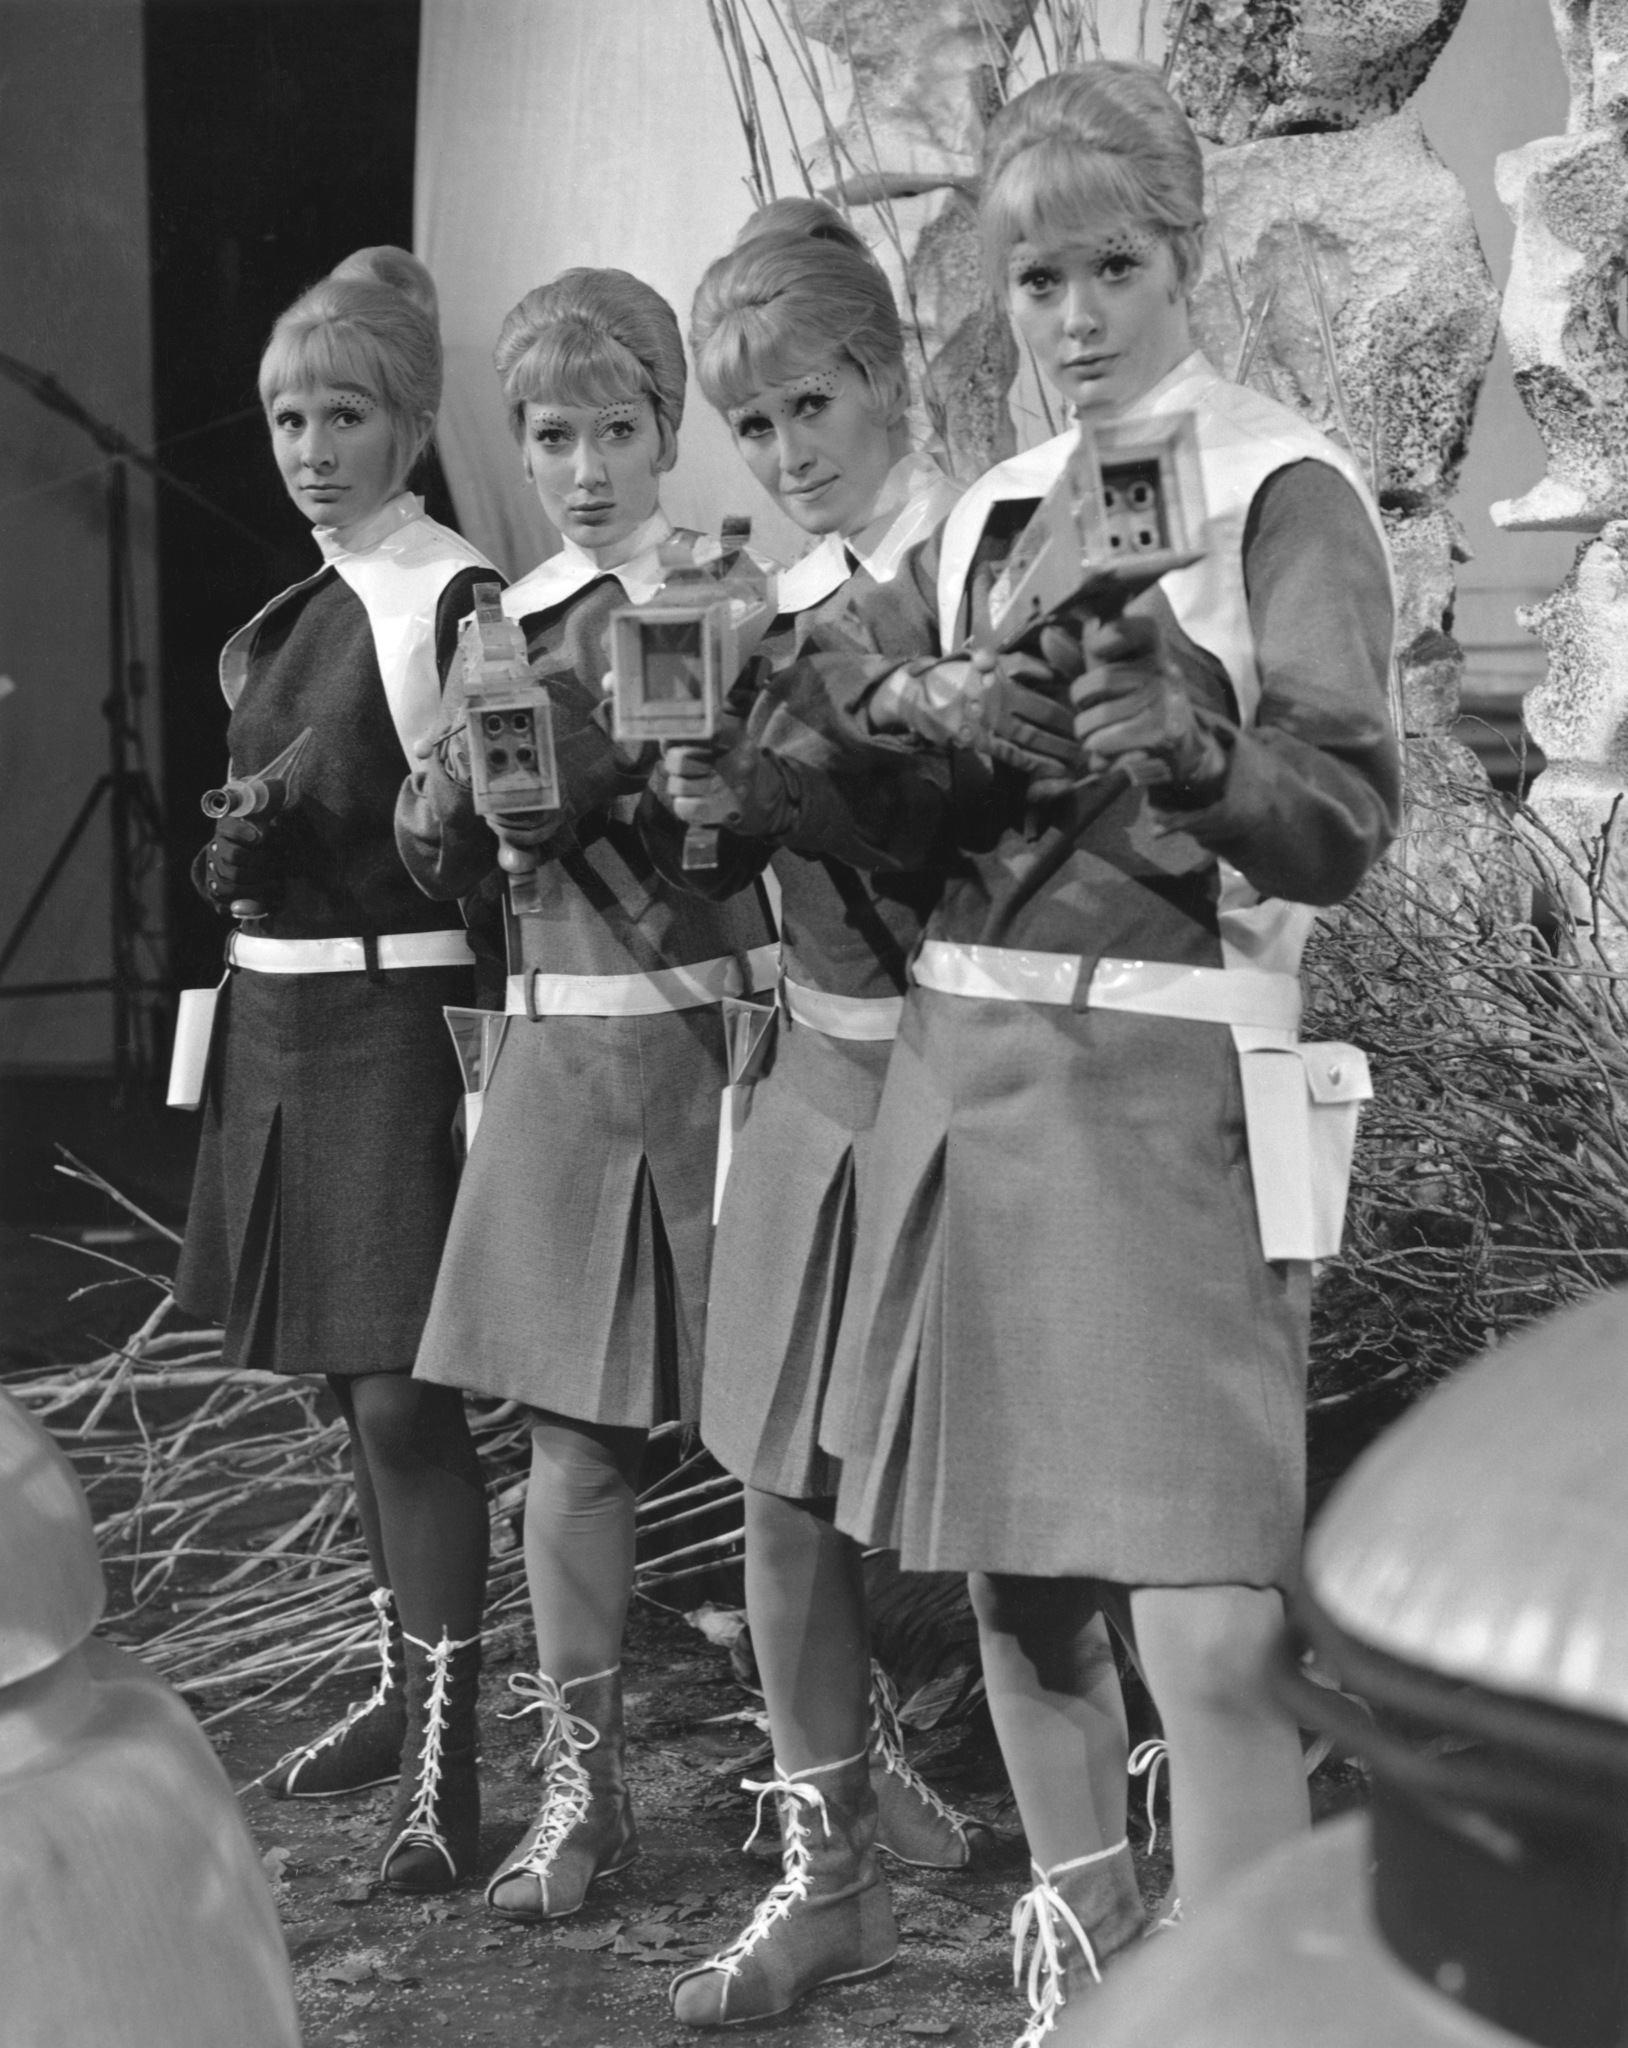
419,1497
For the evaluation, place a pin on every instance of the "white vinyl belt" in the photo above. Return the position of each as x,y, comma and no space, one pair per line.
1210,995
864,1017
642,995
346,956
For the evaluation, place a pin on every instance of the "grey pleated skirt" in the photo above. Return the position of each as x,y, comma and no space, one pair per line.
1064,1353
782,1257
326,1169
575,1271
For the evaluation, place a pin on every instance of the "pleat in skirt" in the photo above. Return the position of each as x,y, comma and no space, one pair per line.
575,1272
782,1258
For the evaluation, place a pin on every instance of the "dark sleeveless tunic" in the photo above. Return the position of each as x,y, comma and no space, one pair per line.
326,1169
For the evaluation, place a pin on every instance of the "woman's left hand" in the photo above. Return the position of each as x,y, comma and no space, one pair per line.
1127,702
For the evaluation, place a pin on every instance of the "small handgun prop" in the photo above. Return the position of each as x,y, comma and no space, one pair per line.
509,725
674,659
1128,509
265,795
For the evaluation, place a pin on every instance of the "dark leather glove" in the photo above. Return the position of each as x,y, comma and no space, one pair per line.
1004,706
1128,703
743,788
242,861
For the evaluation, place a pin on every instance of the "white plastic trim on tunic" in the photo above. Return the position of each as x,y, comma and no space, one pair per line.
1300,1139
398,562
641,574
915,498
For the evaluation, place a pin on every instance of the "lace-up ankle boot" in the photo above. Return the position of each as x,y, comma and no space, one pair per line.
1078,1915
913,1824
827,1921
584,1828
435,1824
364,1748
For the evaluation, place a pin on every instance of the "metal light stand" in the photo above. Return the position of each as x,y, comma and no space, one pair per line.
135,821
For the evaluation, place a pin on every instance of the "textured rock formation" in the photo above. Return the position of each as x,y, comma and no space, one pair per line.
1411,308
1579,716
1593,38
926,76
1425,550
1563,320
1248,68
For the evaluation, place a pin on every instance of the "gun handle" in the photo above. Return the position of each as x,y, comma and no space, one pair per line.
520,864
701,847
247,911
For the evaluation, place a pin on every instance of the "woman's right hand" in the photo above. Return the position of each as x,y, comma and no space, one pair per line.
240,862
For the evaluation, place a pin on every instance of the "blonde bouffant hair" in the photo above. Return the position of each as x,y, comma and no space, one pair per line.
798,289
1104,139
593,337
372,324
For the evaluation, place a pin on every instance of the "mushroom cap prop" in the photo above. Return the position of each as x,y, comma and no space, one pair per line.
1466,1584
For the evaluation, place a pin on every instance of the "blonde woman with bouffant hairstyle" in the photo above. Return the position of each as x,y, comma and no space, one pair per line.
326,1169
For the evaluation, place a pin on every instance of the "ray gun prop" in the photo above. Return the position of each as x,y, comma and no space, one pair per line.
509,730
1128,508
674,660
264,796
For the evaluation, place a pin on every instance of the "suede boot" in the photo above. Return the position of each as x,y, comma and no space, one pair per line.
827,1921
1079,1914
584,1828
435,1824
363,1749
913,1824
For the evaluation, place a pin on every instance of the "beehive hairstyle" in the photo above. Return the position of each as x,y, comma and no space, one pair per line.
798,289
1103,140
372,324
593,337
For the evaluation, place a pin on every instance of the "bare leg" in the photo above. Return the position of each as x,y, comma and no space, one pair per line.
805,1599
1055,1700
1237,1786
579,1536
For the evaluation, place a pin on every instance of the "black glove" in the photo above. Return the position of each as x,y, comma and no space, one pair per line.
743,788
1005,706
1128,703
242,861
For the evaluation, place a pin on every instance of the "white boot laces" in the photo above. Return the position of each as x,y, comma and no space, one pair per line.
887,1741
567,1794
1045,1915
420,1829
1147,1760
796,1798
382,1602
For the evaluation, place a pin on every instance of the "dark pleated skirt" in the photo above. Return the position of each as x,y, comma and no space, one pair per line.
1064,1353
326,1168
781,1260
575,1271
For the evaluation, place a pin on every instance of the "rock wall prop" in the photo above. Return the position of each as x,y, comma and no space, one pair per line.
1564,321
1578,715
1565,315
1412,311
1248,68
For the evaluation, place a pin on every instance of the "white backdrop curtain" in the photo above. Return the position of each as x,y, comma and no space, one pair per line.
558,132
